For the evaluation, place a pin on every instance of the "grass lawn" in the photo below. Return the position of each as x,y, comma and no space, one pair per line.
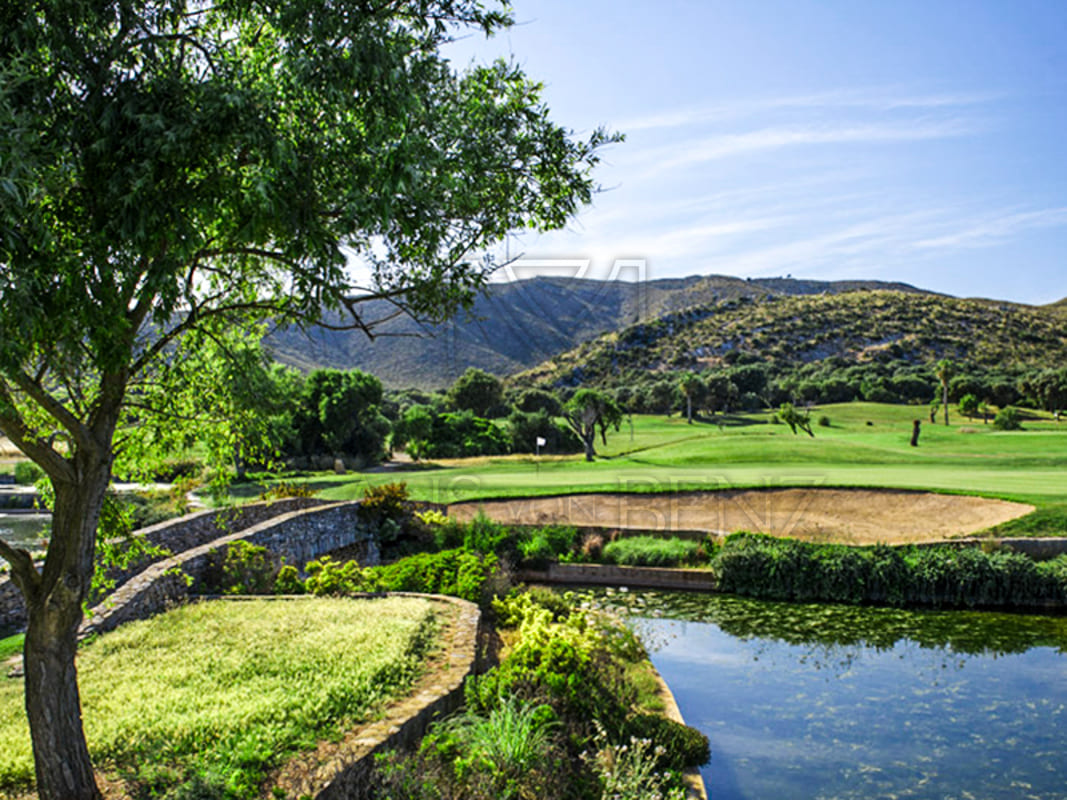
228,690
664,454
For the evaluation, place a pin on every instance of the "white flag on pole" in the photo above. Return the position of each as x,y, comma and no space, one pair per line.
541,441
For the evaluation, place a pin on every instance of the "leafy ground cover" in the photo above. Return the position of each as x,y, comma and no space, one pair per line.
212,695
571,711
784,569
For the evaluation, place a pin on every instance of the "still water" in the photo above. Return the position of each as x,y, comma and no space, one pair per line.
23,530
821,701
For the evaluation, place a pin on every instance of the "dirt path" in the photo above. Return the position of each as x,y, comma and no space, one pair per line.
852,516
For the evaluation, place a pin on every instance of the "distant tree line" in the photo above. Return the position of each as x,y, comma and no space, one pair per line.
328,414
744,382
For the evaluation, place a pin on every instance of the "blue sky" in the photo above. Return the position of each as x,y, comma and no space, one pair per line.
909,141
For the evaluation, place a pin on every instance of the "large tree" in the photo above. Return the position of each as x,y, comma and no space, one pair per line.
476,391
588,412
170,163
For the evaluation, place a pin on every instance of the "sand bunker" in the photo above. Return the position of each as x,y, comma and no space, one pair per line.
851,516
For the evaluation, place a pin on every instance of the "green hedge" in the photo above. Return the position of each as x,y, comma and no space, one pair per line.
651,551
784,569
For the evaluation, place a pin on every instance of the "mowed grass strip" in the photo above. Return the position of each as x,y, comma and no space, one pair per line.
666,454
233,688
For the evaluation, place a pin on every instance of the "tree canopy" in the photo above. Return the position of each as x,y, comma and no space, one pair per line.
476,391
589,411
166,164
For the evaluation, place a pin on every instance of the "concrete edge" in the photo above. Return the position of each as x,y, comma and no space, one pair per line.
694,781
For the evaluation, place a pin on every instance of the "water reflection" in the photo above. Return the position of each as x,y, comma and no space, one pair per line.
820,701
24,530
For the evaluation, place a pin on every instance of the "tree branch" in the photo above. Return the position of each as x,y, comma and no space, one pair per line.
16,429
55,409
23,571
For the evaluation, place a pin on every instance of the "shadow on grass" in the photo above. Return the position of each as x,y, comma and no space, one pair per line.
1048,521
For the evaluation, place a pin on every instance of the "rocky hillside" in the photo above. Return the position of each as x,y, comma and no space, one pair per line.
788,331
519,325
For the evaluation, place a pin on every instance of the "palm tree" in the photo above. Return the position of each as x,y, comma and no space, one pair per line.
944,371
689,383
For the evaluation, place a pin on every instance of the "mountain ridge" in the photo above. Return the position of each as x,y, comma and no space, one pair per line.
515,326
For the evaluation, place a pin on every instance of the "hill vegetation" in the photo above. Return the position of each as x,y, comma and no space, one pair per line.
515,326
796,334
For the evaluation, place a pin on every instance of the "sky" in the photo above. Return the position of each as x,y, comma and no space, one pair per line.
921,142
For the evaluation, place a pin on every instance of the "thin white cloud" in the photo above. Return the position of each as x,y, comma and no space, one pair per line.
875,99
996,229
776,138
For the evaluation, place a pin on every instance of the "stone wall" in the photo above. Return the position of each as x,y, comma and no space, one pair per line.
12,609
298,537
177,536
612,575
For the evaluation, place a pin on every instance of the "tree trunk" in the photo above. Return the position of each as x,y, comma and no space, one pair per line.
689,409
944,399
53,705
587,440
916,425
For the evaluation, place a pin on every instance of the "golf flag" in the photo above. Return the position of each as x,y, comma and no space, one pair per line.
541,441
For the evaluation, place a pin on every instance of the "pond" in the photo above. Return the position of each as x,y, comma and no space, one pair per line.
823,701
23,530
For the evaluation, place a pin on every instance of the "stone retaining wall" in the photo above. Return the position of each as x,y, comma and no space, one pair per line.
177,536
298,537
702,580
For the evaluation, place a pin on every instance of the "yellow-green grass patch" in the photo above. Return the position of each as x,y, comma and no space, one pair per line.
231,689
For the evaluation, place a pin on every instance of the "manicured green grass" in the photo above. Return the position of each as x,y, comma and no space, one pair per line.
224,691
11,645
667,454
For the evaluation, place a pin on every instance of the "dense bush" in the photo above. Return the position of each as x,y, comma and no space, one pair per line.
541,545
525,428
170,470
386,501
243,568
785,569
1008,419
339,413
27,473
453,572
453,435
651,551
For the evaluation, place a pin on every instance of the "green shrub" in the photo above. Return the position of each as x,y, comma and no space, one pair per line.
1008,419
682,746
512,751
784,569
27,473
545,544
244,569
288,581
488,537
453,572
387,501
650,551
171,470
824,421
329,577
